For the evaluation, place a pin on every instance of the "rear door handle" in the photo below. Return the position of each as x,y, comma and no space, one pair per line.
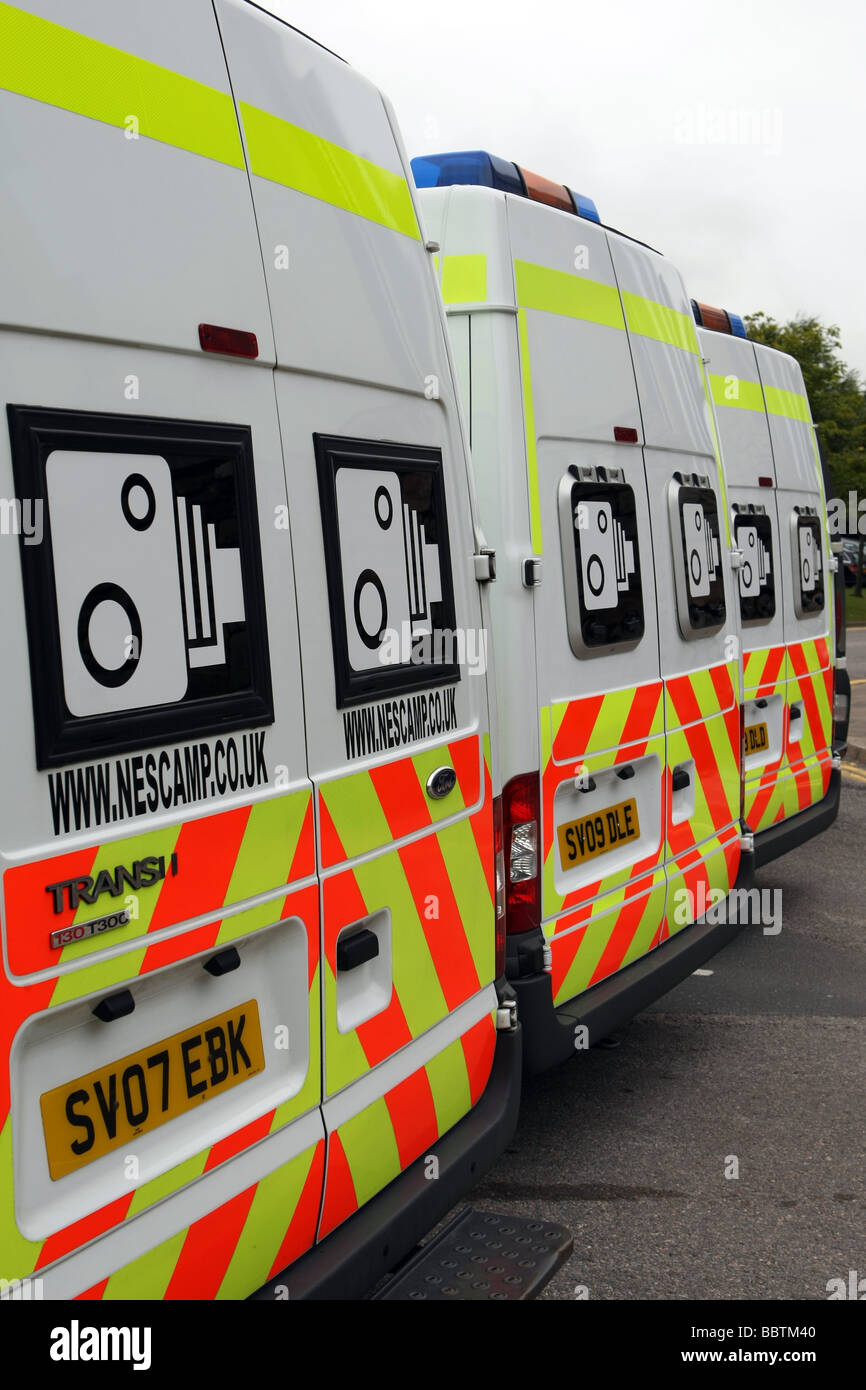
680,779
357,950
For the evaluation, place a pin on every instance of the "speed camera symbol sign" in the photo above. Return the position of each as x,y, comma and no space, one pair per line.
119,603
143,591
391,570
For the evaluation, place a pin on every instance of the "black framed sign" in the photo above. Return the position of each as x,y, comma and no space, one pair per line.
753,535
144,601
697,547
601,562
808,563
388,561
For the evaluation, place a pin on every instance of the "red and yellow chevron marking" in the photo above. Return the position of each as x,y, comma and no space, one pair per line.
371,1148
709,867
235,1248
764,672
439,892
603,936
259,858
703,725
594,732
371,809
802,776
810,680
222,859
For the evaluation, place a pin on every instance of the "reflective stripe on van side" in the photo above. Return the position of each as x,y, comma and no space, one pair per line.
49,63
299,159
464,278
737,393
790,404
659,321
57,66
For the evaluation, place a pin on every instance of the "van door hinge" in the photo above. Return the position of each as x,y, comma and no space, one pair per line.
485,565
506,1016
737,558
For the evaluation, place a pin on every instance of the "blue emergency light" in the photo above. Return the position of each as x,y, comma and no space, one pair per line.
489,171
718,320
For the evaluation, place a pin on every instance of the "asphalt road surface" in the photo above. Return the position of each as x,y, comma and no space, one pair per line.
763,1061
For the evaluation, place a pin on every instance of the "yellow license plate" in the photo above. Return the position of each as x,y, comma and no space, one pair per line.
88,1117
599,833
756,738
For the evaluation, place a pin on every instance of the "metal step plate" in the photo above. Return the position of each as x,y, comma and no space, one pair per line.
483,1255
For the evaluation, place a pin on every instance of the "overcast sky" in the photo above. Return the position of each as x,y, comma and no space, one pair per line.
729,136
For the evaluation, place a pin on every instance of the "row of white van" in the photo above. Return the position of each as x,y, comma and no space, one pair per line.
663,617
292,887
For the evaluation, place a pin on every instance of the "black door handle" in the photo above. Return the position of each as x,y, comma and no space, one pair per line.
796,713
356,950
625,773
114,1006
223,962
680,779
761,704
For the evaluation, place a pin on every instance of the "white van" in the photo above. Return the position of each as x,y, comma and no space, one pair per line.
247,854
787,603
615,612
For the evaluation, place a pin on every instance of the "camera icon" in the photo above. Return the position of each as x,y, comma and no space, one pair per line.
701,550
142,590
391,570
606,555
810,560
755,569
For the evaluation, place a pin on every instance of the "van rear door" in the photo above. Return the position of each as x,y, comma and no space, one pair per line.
381,524
699,662
160,908
809,607
599,685
750,480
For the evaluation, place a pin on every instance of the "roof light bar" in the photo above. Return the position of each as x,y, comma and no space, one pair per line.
543,190
718,320
489,171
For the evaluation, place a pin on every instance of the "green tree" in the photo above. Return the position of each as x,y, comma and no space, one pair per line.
835,392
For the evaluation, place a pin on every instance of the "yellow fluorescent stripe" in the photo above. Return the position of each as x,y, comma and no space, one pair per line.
652,320
558,292
54,65
787,403
529,425
733,391
464,279
287,154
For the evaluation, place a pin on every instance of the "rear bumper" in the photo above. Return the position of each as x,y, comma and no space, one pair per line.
549,1034
788,834
354,1257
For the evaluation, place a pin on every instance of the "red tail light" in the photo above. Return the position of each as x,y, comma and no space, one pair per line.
499,886
520,826
234,342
